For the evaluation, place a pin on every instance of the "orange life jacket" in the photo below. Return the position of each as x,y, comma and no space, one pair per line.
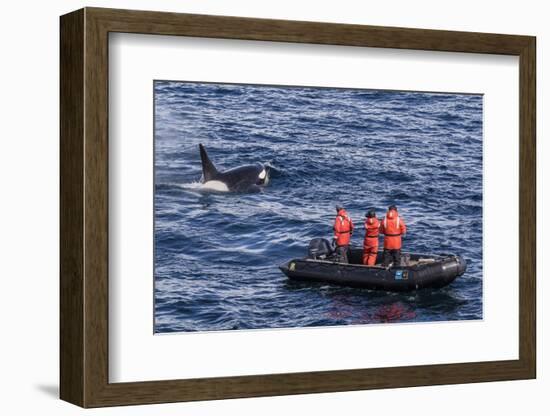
372,230
343,228
393,227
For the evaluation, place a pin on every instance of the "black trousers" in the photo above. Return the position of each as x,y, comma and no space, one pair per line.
392,256
342,254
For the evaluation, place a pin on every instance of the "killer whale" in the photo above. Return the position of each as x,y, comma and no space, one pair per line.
247,178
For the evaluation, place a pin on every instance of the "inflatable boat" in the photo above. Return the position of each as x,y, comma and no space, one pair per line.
416,271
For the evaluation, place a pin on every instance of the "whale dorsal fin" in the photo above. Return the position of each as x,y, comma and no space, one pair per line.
209,171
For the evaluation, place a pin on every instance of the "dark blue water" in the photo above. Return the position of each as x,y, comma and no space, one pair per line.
216,254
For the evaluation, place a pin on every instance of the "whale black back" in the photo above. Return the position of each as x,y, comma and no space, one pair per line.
209,171
246,178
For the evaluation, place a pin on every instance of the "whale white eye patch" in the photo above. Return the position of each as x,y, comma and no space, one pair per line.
262,174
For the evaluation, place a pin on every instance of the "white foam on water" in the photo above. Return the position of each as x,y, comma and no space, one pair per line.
192,185
264,176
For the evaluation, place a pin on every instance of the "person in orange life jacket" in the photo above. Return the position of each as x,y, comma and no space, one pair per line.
343,229
393,227
370,244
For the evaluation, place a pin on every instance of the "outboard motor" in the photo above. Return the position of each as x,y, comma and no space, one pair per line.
319,249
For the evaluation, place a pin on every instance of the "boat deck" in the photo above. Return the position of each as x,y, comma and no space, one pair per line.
355,258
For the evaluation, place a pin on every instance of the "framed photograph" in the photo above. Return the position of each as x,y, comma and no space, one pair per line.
255,207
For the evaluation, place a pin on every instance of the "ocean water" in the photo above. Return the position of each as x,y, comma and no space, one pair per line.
217,254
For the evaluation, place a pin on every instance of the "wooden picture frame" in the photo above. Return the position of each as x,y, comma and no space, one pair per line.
84,207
